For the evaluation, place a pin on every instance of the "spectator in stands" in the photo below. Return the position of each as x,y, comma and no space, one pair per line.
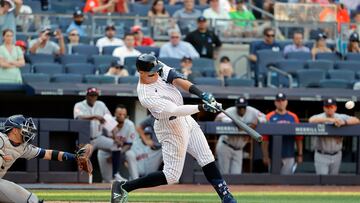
123,134
159,18
282,116
206,42
229,148
219,17
353,45
140,39
8,12
158,9
356,26
117,70
43,44
11,59
297,45
268,43
25,18
186,69
106,6
226,69
78,19
74,40
328,154
22,44
186,17
109,39
127,50
320,45
94,110
241,15
176,48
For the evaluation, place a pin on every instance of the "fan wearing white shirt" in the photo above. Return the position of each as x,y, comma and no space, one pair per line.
109,39
127,50
217,14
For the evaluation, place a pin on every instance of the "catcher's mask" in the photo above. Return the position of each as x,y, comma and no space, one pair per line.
26,125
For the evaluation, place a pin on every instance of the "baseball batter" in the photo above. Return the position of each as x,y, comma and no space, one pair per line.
175,129
15,140
229,149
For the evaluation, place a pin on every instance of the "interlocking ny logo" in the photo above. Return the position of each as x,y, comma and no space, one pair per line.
116,195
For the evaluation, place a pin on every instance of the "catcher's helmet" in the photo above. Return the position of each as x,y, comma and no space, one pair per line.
26,125
148,63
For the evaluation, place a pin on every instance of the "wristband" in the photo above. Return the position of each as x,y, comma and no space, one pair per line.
68,157
194,90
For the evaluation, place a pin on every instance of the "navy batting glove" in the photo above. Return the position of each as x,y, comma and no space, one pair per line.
207,97
211,108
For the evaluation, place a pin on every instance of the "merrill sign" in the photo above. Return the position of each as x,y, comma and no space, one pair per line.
318,130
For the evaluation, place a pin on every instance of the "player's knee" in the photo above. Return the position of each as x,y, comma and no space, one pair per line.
33,199
172,178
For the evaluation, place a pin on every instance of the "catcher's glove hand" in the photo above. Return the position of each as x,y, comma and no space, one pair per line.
83,158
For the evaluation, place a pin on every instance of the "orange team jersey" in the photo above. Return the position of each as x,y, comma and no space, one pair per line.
90,4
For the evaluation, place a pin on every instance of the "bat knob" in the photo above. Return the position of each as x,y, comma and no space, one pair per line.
259,139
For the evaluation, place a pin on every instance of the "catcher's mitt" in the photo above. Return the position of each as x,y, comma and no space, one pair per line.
83,158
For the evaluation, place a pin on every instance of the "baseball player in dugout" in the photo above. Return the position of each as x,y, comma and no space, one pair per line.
15,142
328,154
282,116
229,148
174,127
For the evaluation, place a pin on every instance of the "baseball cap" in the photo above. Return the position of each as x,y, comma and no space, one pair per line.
186,58
241,102
11,3
21,43
280,96
329,102
148,130
92,91
110,27
45,28
78,12
354,37
201,19
320,35
135,29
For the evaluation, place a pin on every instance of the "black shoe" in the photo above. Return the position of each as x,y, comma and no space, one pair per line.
118,194
229,199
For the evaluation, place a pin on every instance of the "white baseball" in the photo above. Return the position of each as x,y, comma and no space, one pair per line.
349,104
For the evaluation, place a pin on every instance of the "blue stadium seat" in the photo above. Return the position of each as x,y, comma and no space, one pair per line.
41,58
265,58
290,65
128,80
203,63
348,65
331,56
48,68
140,9
23,37
320,64
310,78
99,79
201,7
67,78
26,68
335,83
80,68
102,68
148,49
209,72
35,78
172,8
299,55
239,82
172,62
284,43
207,81
108,50
130,64
103,60
85,49
342,74
73,58
352,56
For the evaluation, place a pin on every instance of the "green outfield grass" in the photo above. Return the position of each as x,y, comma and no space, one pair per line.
248,197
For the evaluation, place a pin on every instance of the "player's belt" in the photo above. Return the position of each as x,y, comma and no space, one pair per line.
327,153
170,118
232,147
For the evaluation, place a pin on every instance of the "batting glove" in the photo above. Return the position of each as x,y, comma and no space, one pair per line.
208,98
212,108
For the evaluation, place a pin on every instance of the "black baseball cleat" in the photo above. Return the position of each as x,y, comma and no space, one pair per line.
229,199
118,194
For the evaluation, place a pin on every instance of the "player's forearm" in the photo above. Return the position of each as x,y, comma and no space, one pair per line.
299,146
320,120
352,121
265,149
49,154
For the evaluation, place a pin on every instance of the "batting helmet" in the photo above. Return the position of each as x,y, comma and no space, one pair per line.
148,63
26,125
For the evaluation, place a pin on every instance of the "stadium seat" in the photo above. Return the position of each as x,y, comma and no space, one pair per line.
41,58
348,65
99,79
108,50
207,81
265,58
80,68
290,65
26,68
299,56
335,83
310,78
85,49
209,72
239,82
347,75
201,7
128,80
102,68
140,9
148,49
172,62
48,68
103,60
130,64
284,43
35,78
203,64
352,57
172,8
331,56
73,58
67,78
320,64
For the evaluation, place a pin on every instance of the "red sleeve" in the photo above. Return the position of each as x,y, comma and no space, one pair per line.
296,118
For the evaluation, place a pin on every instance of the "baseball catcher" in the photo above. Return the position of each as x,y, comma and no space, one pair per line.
15,137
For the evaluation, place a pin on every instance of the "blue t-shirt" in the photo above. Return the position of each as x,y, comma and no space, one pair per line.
79,28
261,45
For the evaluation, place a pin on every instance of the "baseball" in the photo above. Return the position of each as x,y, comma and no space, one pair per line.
349,104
